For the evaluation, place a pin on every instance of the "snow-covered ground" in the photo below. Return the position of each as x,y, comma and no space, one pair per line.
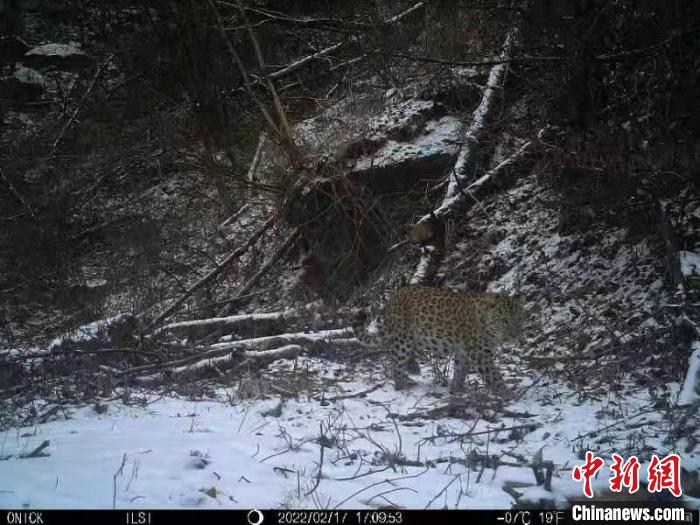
384,448
594,374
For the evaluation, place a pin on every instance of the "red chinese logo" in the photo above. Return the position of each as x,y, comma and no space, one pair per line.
663,474
625,474
586,471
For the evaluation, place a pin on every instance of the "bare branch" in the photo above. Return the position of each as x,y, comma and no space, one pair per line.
224,356
263,270
286,130
465,160
303,61
298,64
252,170
244,73
477,63
219,349
212,274
73,115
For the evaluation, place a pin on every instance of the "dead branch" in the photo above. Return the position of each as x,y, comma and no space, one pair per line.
465,161
387,480
212,274
263,270
461,436
76,110
235,216
299,337
431,256
199,162
321,439
25,202
291,68
477,63
252,170
232,320
298,64
242,319
286,131
219,349
491,177
244,73
38,452
352,396
322,22
228,301
77,351
236,354
116,474
344,64
442,491
397,18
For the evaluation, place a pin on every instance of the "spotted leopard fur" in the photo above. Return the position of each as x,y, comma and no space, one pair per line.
439,322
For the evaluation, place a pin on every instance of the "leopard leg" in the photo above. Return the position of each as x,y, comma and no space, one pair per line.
400,356
412,366
489,371
462,366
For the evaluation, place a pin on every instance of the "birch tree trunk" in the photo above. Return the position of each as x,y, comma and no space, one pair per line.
456,194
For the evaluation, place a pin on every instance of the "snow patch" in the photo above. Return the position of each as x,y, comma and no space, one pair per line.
690,263
439,138
689,392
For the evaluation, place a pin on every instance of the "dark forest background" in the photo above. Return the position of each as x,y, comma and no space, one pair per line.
160,92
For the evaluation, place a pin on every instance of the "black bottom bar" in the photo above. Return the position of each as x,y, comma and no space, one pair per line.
585,514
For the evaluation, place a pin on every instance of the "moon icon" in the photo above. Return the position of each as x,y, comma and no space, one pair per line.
255,517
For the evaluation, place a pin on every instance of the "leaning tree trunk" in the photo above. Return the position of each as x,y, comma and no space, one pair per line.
432,250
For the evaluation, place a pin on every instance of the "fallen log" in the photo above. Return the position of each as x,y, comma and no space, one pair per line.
299,337
232,320
217,365
264,317
225,356
269,320
219,349
464,164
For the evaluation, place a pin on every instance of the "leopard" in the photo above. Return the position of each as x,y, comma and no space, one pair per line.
470,327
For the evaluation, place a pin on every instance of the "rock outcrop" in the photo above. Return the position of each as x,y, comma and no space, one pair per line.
24,85
63,57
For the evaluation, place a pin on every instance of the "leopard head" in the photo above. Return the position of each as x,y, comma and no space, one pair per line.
512,316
